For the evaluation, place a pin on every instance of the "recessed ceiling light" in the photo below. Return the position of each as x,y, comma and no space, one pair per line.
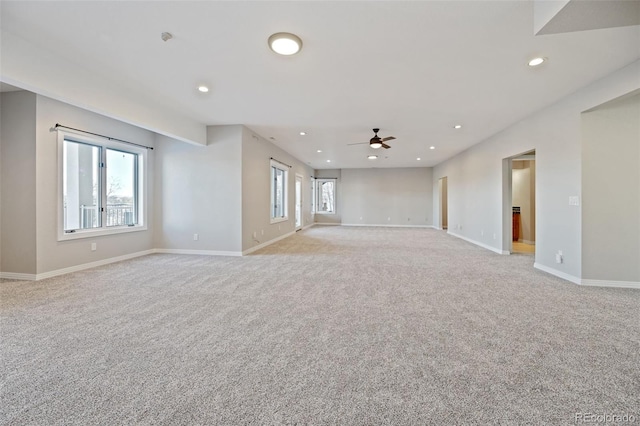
418,158
536,61
285,43
328,161
372,157
203,89
458,126
432,147
303,133
319,150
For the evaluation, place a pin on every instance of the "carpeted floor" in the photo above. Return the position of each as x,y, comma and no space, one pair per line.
335,325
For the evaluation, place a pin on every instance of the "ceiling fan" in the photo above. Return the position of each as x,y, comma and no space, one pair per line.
376,141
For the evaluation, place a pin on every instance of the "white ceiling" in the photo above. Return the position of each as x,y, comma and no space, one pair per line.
411,68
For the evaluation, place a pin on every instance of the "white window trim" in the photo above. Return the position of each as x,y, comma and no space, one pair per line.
285,192
318,181
142,187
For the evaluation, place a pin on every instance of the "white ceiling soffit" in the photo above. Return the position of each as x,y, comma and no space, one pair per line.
414,69
555,17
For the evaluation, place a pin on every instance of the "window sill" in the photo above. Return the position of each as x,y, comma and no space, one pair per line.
91,233
279,219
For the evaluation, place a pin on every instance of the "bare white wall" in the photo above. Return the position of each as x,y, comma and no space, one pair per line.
18,182
334,219
256,190
611,191
52,254
398,197
475,176
199,192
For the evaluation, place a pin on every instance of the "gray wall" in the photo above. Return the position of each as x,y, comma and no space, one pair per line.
334,219
18,182
199,192
399,197
475,176
256,190
611,191
30,187
52,254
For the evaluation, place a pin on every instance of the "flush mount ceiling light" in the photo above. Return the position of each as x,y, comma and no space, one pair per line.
372,157
432,147
328,161
319,150
536,61
418,158
458,126
303,133
203,89
285,43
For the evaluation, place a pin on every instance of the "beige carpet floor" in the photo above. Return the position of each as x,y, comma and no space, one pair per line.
335,325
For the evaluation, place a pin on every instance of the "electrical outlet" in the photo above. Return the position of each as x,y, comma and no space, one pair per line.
262,232
495,236
255,235
559,257
481,233
195,237
94,246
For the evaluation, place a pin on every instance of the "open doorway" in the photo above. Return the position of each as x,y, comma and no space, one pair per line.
444,214
520,204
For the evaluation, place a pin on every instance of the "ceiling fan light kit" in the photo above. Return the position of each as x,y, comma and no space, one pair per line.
376,141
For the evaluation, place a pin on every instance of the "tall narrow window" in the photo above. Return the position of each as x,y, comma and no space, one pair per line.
101,187
325,196
279,177
122,200
81,186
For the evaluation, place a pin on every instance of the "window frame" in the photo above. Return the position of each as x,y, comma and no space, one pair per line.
316,195
285,191
140,190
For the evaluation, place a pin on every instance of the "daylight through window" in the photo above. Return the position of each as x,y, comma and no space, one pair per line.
101,187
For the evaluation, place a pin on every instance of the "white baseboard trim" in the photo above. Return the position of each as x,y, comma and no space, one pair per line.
478,243
307,226
259,246
90,265
18,276
608,283
199,252
327,224
388,226
557,273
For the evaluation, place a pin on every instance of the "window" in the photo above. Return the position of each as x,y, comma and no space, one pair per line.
101,189
325,196
279,177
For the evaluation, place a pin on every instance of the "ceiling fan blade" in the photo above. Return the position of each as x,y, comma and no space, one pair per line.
361,143
385,146
389,138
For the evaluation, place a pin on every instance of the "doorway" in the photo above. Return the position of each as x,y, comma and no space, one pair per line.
444,200
519,197
298,202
